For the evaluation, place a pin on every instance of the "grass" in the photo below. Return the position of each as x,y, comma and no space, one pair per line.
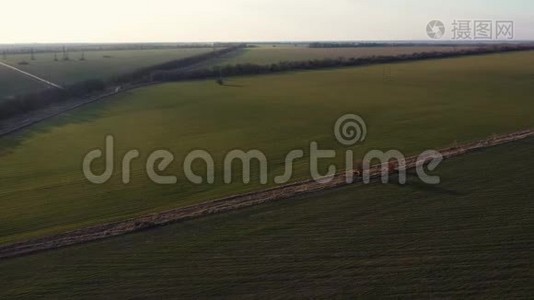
269,55
414,107
472,235
13,83
106,64
97,64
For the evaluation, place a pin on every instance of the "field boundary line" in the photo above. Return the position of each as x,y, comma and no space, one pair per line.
32,118
34,77
104,231
19,122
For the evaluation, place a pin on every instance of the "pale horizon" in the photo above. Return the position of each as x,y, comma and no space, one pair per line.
166,21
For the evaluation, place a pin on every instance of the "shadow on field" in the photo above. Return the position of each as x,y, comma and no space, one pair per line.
80,115
413,182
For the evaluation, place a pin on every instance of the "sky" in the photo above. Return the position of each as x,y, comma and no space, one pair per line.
108,21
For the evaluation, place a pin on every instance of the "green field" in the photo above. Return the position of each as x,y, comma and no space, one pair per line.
109,63
471,236
97,64
411,107
13,83
269,55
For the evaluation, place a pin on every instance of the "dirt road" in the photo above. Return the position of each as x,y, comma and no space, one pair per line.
227,204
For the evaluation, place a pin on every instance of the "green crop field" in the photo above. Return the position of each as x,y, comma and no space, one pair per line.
13,83
472,235
97,64
109,63
410,106
268,55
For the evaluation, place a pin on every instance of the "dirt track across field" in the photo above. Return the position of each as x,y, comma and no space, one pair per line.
32,76
14,124
232,203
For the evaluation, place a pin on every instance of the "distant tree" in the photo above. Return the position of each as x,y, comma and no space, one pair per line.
220,79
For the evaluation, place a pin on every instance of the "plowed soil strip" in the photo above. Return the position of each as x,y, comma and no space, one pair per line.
231,203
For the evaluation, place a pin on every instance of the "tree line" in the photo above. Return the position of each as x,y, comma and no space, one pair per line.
174,71
396,44
285,66
29,102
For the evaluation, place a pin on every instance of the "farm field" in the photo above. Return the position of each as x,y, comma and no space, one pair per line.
109,63
97,64
411,107
471,235
269,55
13,83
